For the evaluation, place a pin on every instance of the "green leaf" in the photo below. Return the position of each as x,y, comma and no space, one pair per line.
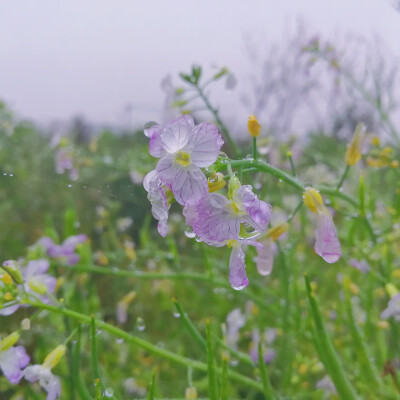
268,390
211,366
325,346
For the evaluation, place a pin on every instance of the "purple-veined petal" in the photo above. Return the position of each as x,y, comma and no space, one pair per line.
327,244
259,212
237,269
47,380
162,227
176,134
187,183
12,362
215,222
204,145
150,180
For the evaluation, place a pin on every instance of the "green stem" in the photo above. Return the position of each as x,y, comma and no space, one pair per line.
343,177
190,326
255,148
158,351
235,148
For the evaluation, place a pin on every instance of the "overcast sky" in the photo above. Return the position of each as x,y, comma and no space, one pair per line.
93,57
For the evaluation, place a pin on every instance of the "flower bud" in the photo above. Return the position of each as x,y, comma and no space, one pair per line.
312,199
9,341
37,286
253,126
233,186
54,357
353,153
12,269
6,279
278,230
216,182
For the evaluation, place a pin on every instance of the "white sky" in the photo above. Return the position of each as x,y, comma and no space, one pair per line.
92,57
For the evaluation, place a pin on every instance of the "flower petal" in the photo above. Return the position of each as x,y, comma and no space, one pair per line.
215,223
259,212
327,244
205,145
12,362
176,134
187,183
265,257
237,269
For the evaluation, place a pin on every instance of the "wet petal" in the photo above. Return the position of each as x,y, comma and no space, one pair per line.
327,244
162,227
205,145
187,183
237,269
176,134
259,212
215,223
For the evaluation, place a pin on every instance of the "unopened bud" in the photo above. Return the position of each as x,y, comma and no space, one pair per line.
12,269
191,393
216,182
312,199
278,230
37,286
55,356
353,153
253,126
9,341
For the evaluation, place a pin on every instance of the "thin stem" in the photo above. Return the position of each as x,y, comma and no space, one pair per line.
255,148
343,177
289,156
235,148
294,212
144,344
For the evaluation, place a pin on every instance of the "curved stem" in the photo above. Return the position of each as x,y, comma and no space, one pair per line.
158,351
235,148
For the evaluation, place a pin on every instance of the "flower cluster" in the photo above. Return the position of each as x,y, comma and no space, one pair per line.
14,362
234,220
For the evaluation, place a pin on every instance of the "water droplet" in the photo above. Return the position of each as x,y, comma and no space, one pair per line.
177,315
213,179
99,331
11,174
140,325
198,240
84,186
234,363
70,186
108,392
190,234
5,174
119,341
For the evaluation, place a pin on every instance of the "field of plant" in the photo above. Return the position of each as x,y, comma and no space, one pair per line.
176,262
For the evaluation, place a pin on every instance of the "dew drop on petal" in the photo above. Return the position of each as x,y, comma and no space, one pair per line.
330,258
108,392
190,234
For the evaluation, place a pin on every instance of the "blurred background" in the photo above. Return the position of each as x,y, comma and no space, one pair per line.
104,61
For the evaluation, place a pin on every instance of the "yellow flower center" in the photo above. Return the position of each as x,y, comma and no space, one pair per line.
182,158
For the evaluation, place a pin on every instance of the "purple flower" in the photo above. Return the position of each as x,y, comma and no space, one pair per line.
64,252
327,244
219,218
326,384
360,265
157,196
219,221
12,361
393,308
268,354
36,281
47,380
184,148
64,161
